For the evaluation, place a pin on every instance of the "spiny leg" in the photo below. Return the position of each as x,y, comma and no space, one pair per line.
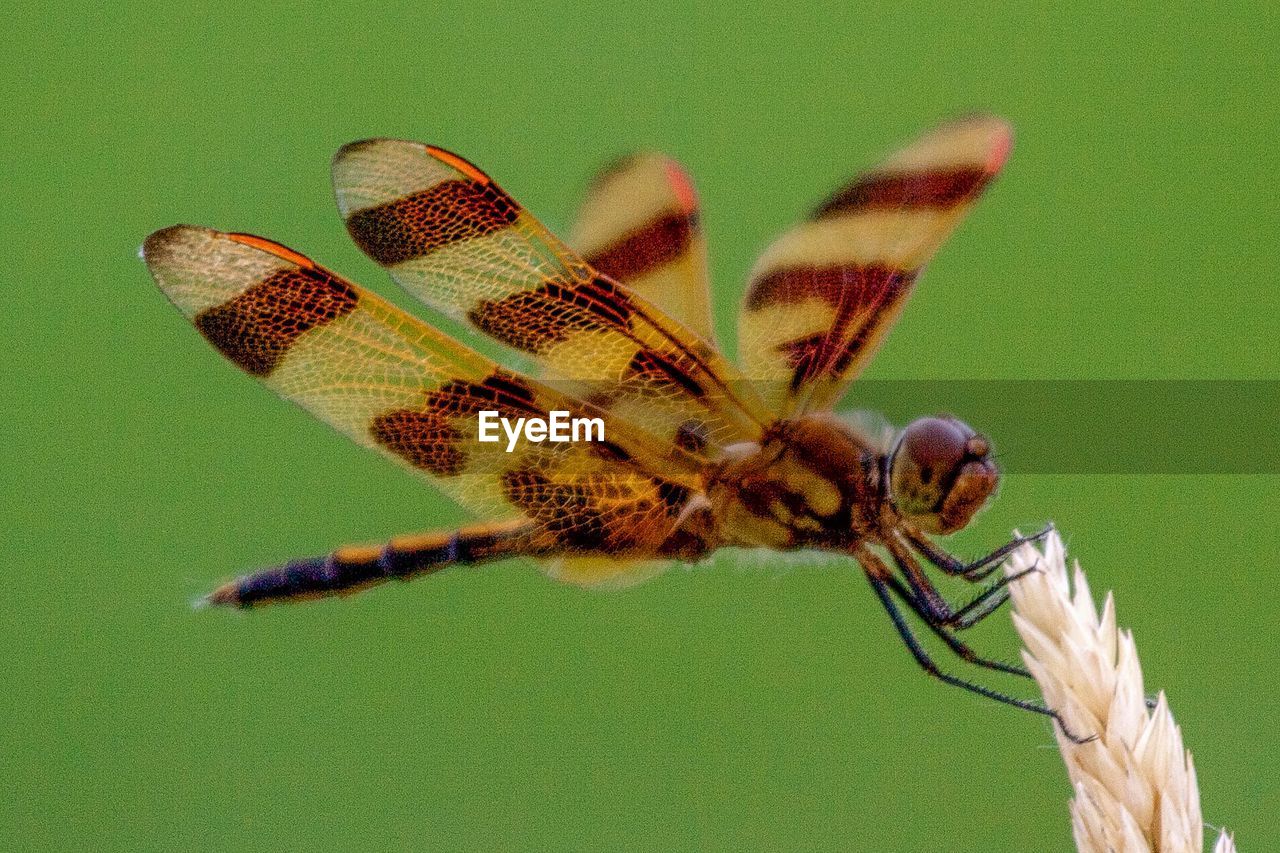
939,618
976,571
939,610
962,649
877,576
980,568
935,608
987,602
352,569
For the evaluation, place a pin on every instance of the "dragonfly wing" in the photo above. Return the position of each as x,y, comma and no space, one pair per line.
824,294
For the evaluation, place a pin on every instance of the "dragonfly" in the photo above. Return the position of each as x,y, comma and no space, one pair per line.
698,453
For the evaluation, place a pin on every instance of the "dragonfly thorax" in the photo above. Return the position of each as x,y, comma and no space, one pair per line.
809,482
818,482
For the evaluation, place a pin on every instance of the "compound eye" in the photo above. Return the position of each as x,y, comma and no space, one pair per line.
936,447
940,475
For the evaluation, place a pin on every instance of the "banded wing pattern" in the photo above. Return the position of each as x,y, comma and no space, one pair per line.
639,224
398,386
823,294
452,237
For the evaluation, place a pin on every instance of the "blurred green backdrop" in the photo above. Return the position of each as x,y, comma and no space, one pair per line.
742,705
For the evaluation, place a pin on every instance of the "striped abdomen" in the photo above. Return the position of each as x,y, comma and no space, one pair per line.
355,568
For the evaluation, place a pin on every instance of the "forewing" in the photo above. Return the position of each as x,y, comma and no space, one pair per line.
640,225
823,295
393,384
453,238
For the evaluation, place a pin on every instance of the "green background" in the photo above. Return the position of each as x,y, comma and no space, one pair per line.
747,704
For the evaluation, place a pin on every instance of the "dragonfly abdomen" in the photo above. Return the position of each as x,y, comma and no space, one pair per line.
354,568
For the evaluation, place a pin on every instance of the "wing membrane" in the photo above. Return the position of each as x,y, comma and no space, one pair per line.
452,237
640,225
393,384
825,293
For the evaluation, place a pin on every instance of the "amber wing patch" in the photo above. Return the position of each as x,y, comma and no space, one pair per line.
417,224
256,328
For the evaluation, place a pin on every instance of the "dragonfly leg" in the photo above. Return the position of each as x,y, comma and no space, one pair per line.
980,568
963,650
937,610
878,575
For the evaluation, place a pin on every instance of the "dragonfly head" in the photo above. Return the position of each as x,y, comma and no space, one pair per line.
941,474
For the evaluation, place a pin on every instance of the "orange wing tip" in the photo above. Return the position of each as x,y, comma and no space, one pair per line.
682,186
987,139
450,159
165,241
998,139
1001,146
271,247
463,165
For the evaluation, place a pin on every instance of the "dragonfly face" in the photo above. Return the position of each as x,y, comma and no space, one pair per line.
699,451
941,474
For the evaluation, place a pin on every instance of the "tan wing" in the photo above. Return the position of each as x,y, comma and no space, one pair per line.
393,384
639,225
452,237
824,294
